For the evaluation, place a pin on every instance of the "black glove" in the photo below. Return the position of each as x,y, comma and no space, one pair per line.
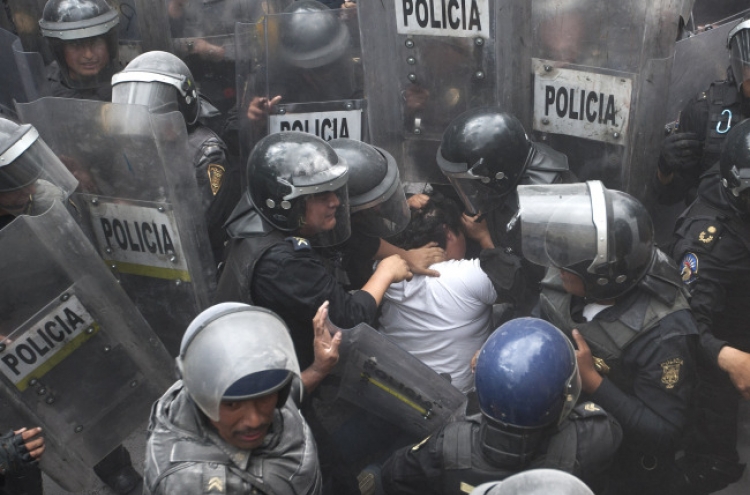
13,453
680,152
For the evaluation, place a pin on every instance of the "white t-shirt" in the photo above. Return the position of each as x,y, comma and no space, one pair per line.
442,320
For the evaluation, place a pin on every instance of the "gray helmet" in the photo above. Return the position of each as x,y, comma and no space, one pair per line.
535,482
738,43
604,236
160,81
312,35
234,351
26,158
284,169
79,22
376,196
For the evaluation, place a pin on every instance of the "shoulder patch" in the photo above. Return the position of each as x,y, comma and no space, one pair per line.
299,243
670,374
587,410
215,177
708,236
689,268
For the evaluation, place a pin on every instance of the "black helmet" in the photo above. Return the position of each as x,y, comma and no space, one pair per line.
376,196
484,153
160,81
604,236
286,169
312,35
738,43
735,166
77,23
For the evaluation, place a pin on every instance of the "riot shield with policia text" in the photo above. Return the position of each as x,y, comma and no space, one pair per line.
601,82
381,378
427,61
139,195
76,356
301,70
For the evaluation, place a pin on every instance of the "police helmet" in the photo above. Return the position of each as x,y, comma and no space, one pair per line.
484,153
286,169
234,351
25,158
535,482
312,35
738,43
527,375
376,196
80,22
735,166
160,81
604,236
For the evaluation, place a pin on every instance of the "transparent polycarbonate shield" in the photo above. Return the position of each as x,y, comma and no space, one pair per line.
558,224
425,63
22,78
698,61
203,36
601,73
139,194
383,379
715,12
76,356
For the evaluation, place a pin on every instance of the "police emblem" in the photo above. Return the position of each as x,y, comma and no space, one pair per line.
689,268
670,372
215,177
707,236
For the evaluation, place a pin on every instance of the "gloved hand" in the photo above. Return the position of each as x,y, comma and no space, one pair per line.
680,152
13,452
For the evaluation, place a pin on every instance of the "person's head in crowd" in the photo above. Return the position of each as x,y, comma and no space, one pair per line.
237,363
376,196
439,220
82,35
602,240
298,184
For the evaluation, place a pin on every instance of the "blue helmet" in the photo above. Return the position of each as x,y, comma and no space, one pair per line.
527,375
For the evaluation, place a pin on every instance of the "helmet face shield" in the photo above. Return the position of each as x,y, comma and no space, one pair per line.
557,225
739,46
476,196
385,218
159,98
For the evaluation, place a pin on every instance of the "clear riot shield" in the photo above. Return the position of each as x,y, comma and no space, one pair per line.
712,12
428,61
601,79
315,89
76,356
22,78
139,194
698,61
383,379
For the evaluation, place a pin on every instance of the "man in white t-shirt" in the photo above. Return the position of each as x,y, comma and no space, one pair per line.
441,320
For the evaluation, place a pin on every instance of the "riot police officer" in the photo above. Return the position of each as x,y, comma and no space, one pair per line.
527,384
82,35
621,300
379,210
712,240
703,124
232,423
486,154
163,83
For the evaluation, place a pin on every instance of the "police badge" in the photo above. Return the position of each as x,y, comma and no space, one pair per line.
689,268
670,374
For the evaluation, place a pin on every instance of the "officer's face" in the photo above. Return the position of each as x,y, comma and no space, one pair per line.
86,57
15,202
244,423
572,283
320,213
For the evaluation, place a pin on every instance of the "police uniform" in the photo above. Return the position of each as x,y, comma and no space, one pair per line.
514,278
186,456
454,460
644,347
710,115
712,246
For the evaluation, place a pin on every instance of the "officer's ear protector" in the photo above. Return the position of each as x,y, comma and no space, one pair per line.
283,387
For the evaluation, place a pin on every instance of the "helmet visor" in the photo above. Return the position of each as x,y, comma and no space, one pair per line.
557,224
740,53
384,217
158,97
